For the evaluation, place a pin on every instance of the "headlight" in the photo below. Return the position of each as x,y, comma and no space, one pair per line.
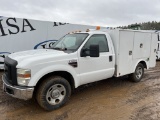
23,76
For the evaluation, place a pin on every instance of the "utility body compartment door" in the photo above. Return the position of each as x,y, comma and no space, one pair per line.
125,52
152,59
142,45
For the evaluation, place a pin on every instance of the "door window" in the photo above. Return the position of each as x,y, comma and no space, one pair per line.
100,40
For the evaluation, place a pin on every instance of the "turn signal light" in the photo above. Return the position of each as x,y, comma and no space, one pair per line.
24,75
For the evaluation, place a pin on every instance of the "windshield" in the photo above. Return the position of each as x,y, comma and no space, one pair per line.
70,42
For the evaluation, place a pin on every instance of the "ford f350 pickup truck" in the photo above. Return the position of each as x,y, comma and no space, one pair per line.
78,58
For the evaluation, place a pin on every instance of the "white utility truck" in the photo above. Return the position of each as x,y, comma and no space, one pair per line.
78,58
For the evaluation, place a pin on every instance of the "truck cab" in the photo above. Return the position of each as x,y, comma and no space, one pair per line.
51,74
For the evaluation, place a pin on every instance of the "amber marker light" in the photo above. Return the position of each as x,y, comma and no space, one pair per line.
98,28
24,75
87,30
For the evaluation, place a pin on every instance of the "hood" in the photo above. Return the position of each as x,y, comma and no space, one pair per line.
39,55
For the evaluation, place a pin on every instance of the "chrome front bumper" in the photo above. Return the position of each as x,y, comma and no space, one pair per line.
20,92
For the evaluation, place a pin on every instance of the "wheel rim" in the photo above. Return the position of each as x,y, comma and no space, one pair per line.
56,94
139,72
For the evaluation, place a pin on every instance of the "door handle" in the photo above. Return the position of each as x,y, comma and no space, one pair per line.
110,58
130,52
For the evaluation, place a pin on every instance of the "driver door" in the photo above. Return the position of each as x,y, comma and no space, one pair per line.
96,68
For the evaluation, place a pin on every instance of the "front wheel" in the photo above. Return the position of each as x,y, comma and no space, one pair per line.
138,74
53,93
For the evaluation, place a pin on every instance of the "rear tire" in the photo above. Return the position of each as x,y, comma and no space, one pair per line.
138,74
53,93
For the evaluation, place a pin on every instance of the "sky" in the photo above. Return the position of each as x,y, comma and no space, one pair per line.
108,13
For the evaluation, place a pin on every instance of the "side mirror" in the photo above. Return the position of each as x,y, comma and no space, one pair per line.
94,50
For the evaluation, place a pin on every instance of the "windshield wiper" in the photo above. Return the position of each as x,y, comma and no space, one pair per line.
57,48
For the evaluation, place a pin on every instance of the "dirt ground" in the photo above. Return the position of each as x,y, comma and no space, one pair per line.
111,99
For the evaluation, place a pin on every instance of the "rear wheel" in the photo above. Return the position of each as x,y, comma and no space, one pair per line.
138,74
53,93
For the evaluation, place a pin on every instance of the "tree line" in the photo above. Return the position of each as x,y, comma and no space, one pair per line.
143,26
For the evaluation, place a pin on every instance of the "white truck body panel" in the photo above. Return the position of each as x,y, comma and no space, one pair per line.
129,52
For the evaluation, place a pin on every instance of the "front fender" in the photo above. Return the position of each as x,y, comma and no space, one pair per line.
44,71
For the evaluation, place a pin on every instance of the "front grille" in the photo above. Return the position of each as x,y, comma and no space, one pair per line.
7,72
10,70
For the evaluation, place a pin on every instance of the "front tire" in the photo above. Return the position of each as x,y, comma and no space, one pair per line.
53,93
138,74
